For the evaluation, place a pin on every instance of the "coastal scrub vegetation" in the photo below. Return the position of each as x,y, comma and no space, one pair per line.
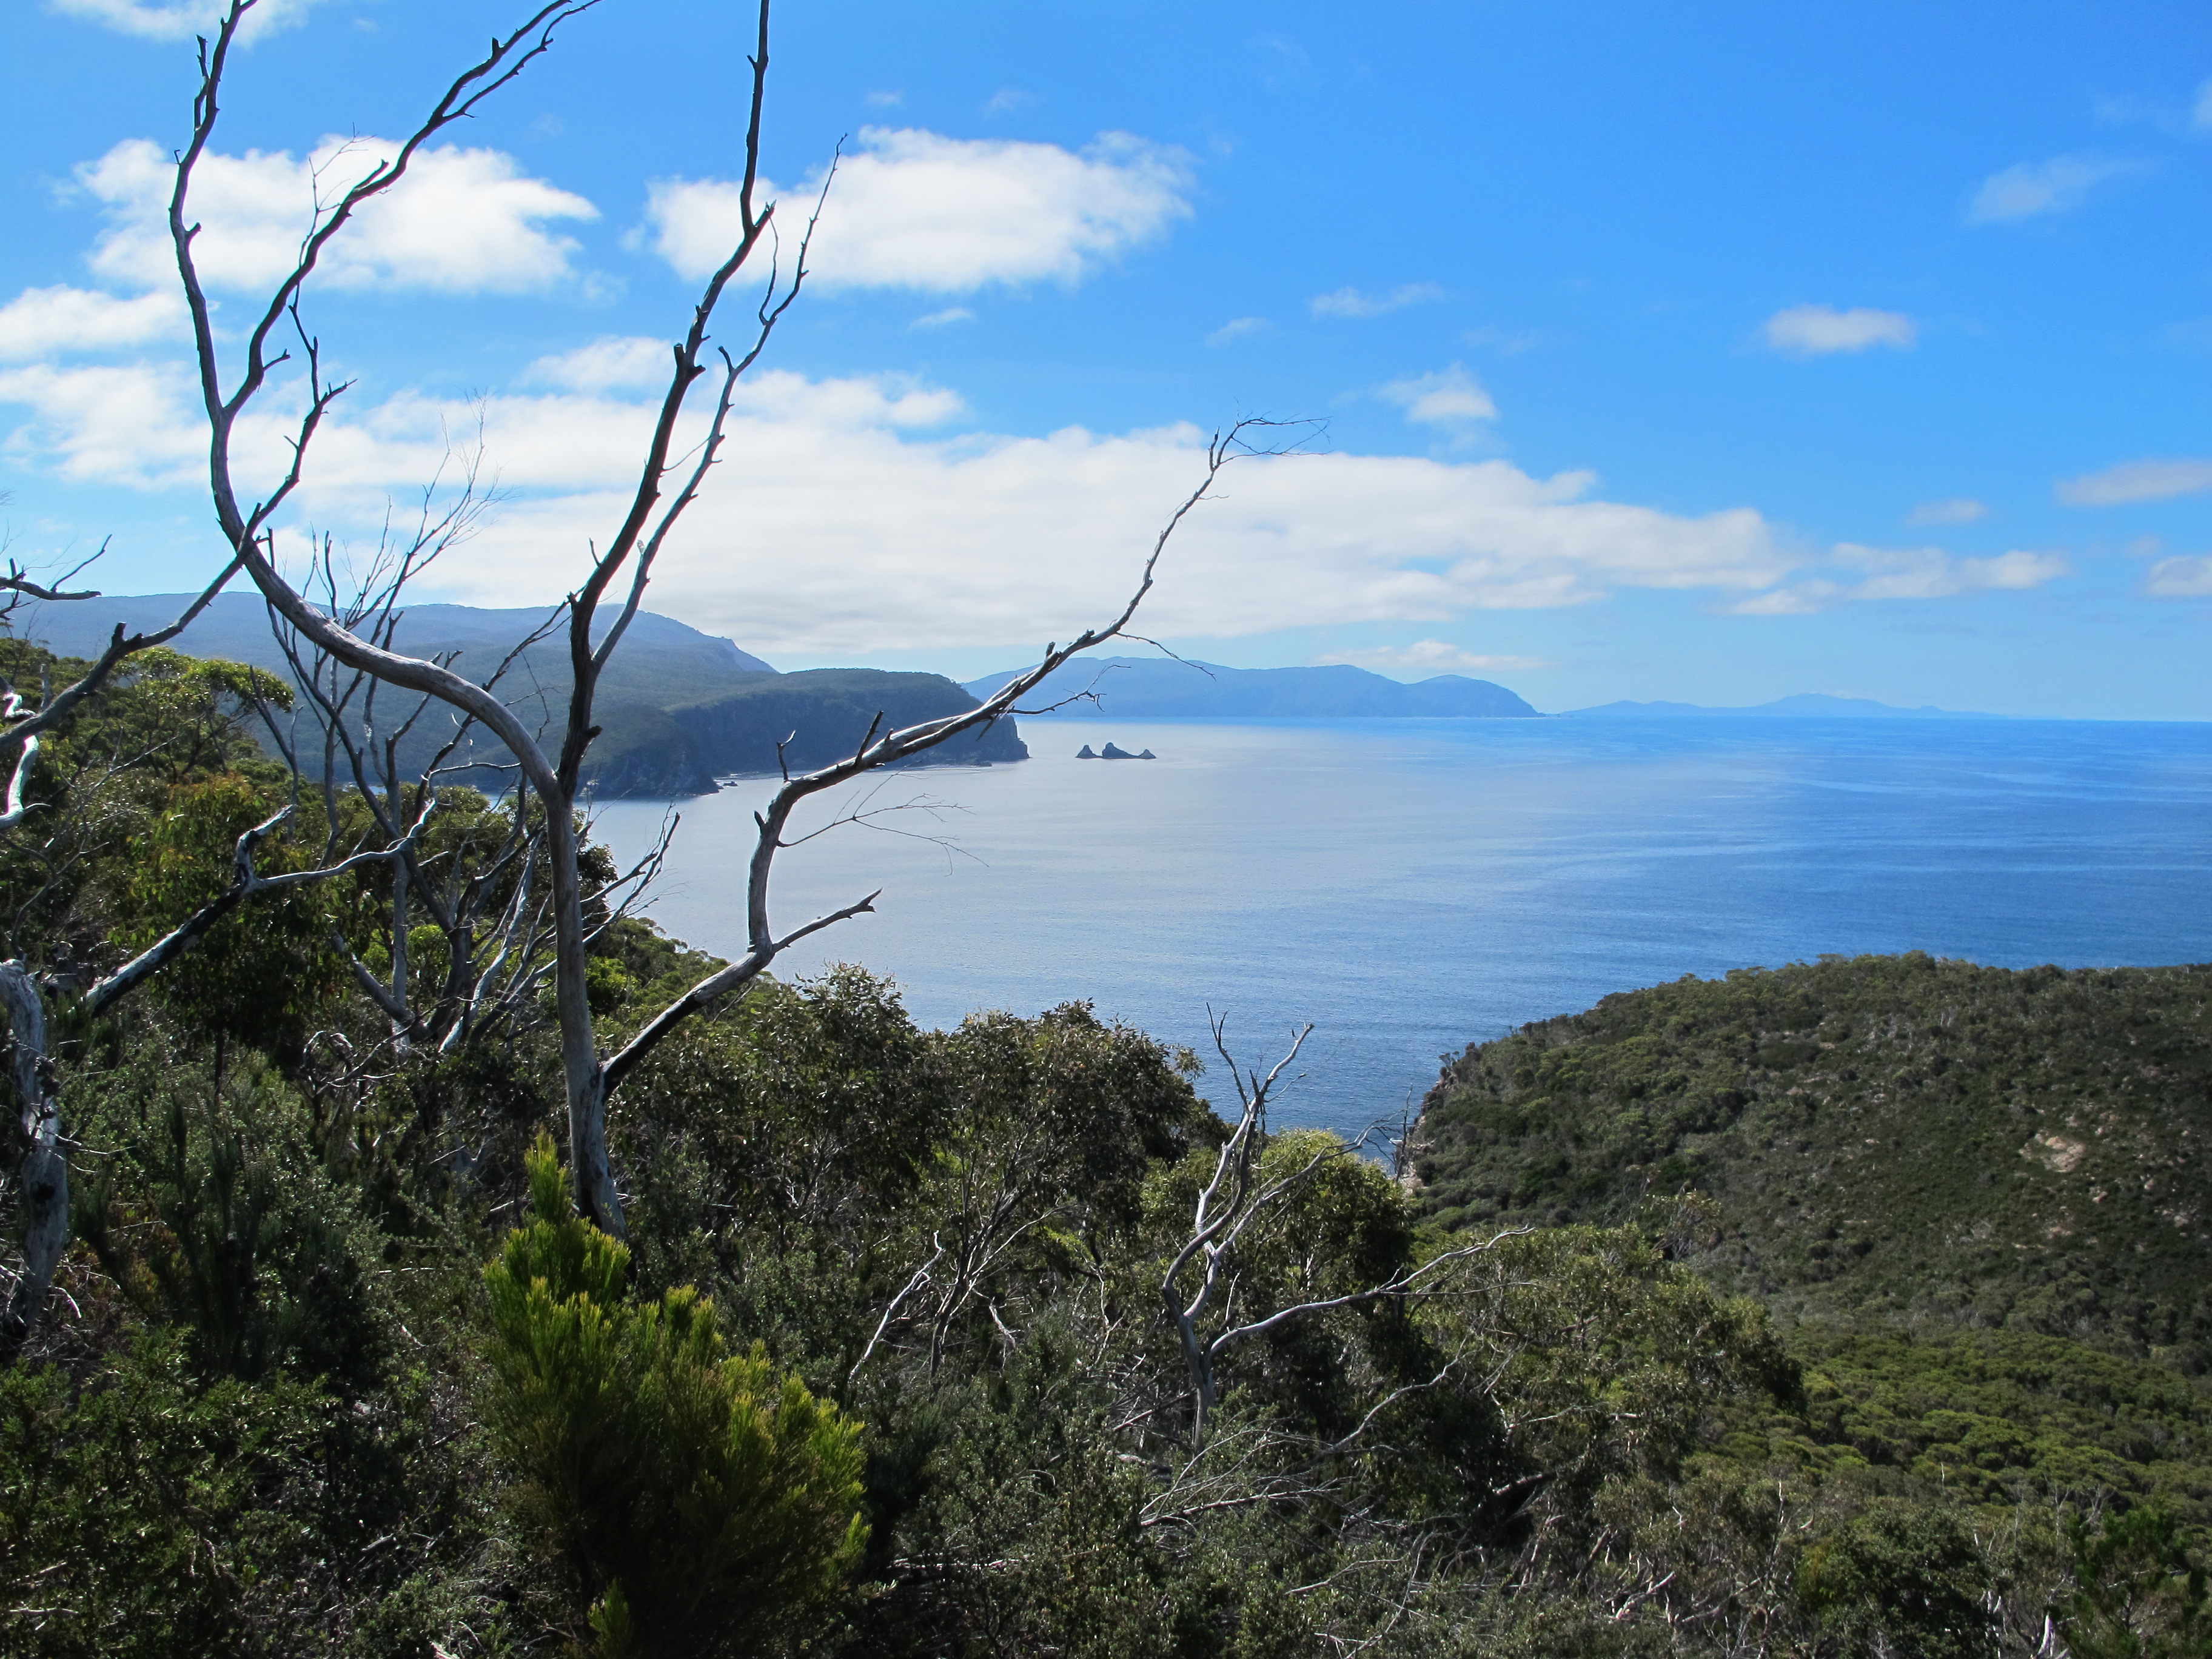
333,1365
1851,1309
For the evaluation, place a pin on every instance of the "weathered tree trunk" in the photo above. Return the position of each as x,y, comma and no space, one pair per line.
585,1079
42,1178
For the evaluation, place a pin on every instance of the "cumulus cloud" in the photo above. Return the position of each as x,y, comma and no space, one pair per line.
2034,188
2153,480
135,425
846,540
52,322
180,20
1922,573
917,209
1351,302
846,519
2180,579
1448,397
1819,330
1426,657
1957,509
462,221
944,319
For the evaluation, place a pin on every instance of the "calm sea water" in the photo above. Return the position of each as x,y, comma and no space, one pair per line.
1413,885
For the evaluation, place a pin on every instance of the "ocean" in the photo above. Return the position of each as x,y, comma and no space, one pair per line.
1412,886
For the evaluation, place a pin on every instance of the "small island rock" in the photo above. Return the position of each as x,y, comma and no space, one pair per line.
1087,753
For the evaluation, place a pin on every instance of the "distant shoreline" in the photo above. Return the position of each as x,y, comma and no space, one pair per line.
1710,717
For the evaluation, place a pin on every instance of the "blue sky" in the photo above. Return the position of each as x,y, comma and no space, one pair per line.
1711,352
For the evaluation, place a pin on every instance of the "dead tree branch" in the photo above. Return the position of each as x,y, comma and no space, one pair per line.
666,487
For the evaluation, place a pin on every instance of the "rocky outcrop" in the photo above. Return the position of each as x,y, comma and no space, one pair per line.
1112,752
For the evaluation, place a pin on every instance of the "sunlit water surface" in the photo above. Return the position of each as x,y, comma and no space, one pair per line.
1413,885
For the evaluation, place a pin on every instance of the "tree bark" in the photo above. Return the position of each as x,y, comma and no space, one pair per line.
42,1178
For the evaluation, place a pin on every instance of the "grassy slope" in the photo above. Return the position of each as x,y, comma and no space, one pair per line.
1895,1137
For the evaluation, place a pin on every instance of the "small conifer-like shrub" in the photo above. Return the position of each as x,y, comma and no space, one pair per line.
697,1500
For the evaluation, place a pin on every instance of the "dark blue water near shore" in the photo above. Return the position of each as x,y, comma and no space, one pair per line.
1412,885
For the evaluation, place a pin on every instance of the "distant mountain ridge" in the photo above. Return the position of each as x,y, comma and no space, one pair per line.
660,659
677,709
1806,706
1133,688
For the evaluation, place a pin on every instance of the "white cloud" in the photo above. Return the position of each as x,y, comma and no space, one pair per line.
1446,397
1238,328
2034,188
616,363
2200,117
944,319
141,426
1431,657
1921,572
462,221
948,215
835,537
2153,480
1008,100
1931,573
1802,600
49,322
135,425
2180,579
885,99
843,520
1818,331
180,20
1957,509
1350,302
846,541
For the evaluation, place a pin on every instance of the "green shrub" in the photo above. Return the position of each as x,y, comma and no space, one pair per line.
696,1500
2138,1593
265,973
142,1513
211,1213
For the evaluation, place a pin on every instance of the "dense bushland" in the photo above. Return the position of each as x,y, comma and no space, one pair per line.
1973,1201
882,1366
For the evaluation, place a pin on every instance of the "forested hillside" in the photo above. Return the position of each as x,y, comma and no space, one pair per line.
1973,1201
1921,1137
987,1341
679,709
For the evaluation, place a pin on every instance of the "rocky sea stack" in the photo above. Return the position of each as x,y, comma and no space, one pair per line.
1112,752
